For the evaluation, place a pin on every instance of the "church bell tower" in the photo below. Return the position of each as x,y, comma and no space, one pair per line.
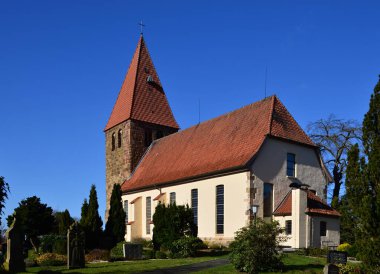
140,115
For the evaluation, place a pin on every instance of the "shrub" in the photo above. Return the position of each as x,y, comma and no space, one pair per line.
161,255
186,247
97,255
146,243
171,223
51,259
53,243
344,247
255,247
148,253
312,251
350,268
117,251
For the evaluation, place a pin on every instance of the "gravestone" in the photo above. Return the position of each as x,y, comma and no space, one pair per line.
15,257
336,257
75,247
331,269
132,251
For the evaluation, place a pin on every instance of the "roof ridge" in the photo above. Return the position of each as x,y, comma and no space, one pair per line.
283,201
139,45
271,115
226,114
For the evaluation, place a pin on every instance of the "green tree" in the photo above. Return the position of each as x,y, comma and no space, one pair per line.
35,219
363,185
347,221
93,223
171,223
83,215
63,221
255,248
4,190
115,226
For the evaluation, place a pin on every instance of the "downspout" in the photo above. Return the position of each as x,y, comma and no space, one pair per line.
311,232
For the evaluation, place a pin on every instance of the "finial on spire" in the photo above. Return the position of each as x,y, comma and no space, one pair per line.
141,27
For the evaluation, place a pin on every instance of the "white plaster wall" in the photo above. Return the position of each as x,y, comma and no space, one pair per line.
270,167
235,204
289,239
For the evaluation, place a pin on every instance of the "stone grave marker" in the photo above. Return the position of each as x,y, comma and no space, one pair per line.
132,251
336,257
15,238
331,269
75,247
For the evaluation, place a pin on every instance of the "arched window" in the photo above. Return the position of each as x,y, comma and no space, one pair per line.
113,141
119,136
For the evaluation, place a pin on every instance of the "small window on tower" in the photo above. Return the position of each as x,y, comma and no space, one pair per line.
148,137
113,141
119,137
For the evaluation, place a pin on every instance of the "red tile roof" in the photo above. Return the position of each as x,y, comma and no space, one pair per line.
285,207
139,99
315,205
225,143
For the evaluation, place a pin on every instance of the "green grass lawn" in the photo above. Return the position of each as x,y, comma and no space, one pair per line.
121,267
293,264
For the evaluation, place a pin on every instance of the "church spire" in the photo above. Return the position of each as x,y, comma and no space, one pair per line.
141,96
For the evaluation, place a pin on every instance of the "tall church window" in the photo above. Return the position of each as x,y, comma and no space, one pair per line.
291,165
172,198
268,200
220,209
113,141
148,214
194,204
148,137
119,137
126,210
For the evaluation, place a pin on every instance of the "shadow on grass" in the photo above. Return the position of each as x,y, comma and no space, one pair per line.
212,252
305,267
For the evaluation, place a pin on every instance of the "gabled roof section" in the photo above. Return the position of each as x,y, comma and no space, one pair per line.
141,96
226,143
285,207
315,206
284,126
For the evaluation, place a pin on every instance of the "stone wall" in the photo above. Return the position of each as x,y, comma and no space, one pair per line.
121,161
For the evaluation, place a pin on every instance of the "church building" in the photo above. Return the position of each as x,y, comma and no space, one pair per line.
255,161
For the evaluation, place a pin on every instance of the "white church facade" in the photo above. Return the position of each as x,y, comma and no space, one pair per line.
229,169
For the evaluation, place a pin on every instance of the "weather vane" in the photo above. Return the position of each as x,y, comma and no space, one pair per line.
141,27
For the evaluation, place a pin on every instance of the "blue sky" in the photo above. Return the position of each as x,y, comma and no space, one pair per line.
62,64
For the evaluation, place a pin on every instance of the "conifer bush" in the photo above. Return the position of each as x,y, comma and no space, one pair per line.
171,223
186,247
255,247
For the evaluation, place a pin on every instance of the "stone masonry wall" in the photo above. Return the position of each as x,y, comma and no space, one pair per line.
121,162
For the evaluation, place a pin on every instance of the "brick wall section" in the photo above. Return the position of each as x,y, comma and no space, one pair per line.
121,162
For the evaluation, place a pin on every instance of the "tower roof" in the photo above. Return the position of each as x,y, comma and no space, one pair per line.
228,142
141,96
